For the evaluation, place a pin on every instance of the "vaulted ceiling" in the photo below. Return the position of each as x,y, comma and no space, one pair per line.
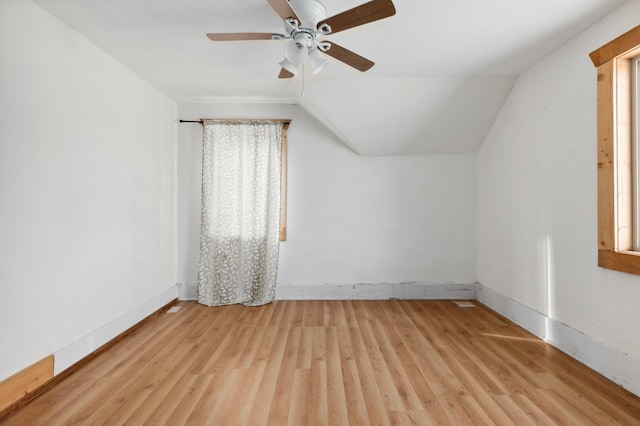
443,68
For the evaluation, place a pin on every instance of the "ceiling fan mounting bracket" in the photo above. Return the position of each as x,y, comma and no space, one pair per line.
290,25
298,32
324,29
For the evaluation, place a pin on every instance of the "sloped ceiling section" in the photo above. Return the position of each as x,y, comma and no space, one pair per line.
443,68
408,115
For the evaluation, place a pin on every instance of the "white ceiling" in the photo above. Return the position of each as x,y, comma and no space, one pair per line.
443,68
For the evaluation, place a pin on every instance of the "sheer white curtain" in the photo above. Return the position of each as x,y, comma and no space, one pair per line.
239,234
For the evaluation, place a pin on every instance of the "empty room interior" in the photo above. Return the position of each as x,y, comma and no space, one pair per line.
442,199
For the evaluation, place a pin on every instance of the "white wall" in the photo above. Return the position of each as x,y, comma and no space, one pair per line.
428,121
87,192
537,209
351,219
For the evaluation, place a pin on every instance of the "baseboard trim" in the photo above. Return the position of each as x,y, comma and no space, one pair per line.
25,382
72,353
381,291
57,377
613,364
187,292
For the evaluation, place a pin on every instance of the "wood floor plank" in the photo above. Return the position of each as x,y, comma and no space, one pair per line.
336,398
373,396
299,409
279,413
272,353
379,367
353,388
318,394
516,415
332,363
354,392
234,404
534,412
194,396
396,367
157,414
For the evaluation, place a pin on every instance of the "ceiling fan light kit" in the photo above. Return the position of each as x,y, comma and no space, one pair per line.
318,61
304,20
289,66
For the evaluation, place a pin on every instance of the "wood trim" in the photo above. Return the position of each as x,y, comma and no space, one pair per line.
24,382
615,183
606,158
283,186
45,385
622,261
616,48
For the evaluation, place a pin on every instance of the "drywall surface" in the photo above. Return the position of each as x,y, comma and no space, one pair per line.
537,199
87,189
408,115
350,219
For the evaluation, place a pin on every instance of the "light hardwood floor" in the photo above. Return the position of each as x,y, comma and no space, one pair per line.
332,363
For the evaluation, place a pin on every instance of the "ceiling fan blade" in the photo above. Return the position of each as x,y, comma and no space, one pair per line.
348,57
363,14
283,9
285,74
240,36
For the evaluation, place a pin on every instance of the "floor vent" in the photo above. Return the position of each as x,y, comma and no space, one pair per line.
173,309
465,304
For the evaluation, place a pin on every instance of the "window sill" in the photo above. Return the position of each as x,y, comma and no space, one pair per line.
622,261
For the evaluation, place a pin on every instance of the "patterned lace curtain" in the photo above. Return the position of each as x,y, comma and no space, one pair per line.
239,234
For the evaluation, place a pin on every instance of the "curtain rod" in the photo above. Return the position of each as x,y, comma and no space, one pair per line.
285,122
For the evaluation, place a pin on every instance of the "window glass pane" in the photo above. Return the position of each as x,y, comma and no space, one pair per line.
635,114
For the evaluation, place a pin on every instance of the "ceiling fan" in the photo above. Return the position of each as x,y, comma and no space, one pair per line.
304,21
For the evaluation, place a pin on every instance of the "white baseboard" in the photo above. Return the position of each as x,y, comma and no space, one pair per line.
382,291
69,355
187,291
610,362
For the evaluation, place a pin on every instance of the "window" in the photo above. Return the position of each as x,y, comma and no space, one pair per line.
283,188
635,114
617,64
283,182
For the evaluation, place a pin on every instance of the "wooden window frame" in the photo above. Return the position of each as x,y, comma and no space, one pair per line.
615,183
283,182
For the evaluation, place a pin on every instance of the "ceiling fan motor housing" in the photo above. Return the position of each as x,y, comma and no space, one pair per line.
310,12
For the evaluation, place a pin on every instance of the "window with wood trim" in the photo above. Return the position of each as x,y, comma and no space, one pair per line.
617,184
283,175
283,183
635,140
